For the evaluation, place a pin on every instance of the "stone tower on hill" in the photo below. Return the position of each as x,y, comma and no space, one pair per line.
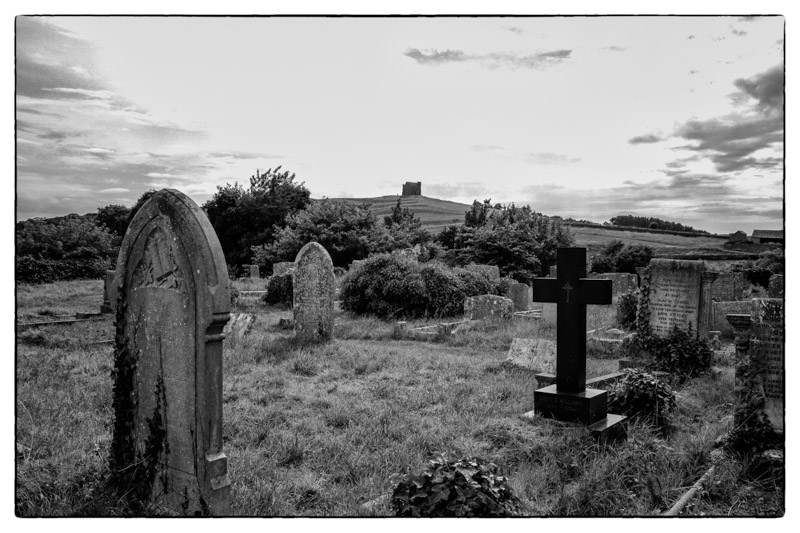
412,188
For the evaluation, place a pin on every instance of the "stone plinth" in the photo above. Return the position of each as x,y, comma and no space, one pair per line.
586,407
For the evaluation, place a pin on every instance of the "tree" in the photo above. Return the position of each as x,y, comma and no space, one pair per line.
244,218
405,228
348,232
115,218
620,257
478,214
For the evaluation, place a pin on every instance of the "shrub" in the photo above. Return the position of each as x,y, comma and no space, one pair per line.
36,270
681,353
390,286
234,295
758,276
466,488
620,257
641,394
626,309
279,290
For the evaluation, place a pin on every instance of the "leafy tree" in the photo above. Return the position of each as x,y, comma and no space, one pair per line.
521,242
348,232
244,218
405,228
115,218
651,223
620,257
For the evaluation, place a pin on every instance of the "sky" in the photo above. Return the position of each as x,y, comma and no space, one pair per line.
680,118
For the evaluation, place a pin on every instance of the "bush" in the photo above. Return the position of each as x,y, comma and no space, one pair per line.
35,270
758,276
620,257
626,309
280,290
466,488
390,286
681,353
234,295
641,394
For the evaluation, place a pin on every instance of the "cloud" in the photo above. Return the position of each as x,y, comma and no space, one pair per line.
738,32
514,29
645,139
491,60
550,158
767,88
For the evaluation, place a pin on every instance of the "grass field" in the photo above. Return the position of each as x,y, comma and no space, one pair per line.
319,430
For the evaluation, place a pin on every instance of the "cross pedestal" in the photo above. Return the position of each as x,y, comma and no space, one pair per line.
569,399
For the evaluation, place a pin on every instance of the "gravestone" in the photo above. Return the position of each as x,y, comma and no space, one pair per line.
282,267
537,355
621,282
255,273
488,307
728,287
109,293
767,334
569,399
314,293
776,289
521,295
679,295
492,272
174,300
553,271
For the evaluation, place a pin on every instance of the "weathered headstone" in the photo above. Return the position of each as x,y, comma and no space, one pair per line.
569,399
314,293
776,289
728,287
492,272
553,271
109,293
255,273
767,346
537,355
174,300
521,295
488,307
621,282
282,267
679,295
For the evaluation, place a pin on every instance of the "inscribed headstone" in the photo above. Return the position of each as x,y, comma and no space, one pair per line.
767,333
282,267
521,295
538,355
174,300
676,296
314,293
488,306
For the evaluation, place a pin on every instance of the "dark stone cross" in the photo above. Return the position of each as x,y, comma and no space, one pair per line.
572,291
569,399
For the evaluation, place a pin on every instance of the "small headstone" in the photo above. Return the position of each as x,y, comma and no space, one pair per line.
537,355
553,271
109,293
488,307
776,289
254,272
314,293
680,295
492,272
174,300
521,295
282,267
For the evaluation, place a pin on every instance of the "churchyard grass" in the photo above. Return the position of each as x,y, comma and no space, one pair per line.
319,429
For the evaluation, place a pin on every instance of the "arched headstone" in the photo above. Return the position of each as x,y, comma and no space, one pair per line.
174,300
314,287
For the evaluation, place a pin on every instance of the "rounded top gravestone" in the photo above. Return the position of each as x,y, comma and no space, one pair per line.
174,300
313,287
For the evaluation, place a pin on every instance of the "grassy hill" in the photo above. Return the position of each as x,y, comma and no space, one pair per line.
435,214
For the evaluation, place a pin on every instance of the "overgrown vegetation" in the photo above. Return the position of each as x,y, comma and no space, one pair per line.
280,290
521,242
640,394
626,309
391,286
467,487
680,353
620,257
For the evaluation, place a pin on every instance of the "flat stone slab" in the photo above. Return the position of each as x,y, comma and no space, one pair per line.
610,428
536,355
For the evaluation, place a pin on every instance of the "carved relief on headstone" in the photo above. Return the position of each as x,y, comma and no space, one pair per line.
314,293
174,301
